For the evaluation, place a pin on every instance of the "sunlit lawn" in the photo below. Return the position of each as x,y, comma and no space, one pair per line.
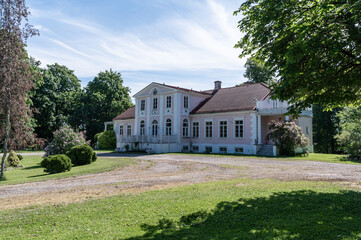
33,172
236,209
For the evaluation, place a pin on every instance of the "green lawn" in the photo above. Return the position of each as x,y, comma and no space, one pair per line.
33,172
318,157
236,209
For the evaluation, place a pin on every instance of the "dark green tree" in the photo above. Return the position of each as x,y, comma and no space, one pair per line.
326,126
314,46
105,98
54,100
257,72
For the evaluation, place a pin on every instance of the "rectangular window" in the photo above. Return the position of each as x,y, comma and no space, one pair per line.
169,101
121,130
129,130
223,150
209,129
155,103
209,149
186,102
238,150
238,128
185,149
195,129
195,148
223,129
142,105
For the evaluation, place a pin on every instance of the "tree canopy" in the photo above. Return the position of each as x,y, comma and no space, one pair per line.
314,46
257,72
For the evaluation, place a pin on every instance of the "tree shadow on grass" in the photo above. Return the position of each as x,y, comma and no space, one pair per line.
31,167
285,215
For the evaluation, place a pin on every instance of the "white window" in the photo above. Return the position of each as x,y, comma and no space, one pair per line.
155,128
169,101
129,130
195,129
142,127
185,148
195,148
238,128
142,105
185,128
223,129
186,103
121,130
209,129
223,149
155,103
209,149
238,150
168,127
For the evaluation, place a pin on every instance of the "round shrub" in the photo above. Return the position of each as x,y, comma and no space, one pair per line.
107,140
56,163
81,155
20,156
13,159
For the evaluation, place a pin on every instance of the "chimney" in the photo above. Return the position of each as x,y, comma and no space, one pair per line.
217,85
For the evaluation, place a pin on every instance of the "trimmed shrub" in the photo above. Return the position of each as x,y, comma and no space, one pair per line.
107,140
20,156
56,163
13,159
64,139
81,155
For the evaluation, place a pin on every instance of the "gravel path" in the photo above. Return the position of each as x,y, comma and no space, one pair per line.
165,170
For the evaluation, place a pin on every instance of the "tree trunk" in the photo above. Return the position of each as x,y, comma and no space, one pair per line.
6,139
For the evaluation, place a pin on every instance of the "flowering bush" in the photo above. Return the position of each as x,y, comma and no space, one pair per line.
287,136
64,139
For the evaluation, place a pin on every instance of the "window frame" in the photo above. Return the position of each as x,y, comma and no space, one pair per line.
198,132
186,103
223,129
235,129
169,101
155,103
129,130
121,130
142,128
168,128
155,127
205,129
185,129
142,104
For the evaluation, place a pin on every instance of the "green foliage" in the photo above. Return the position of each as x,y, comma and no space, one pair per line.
287,136
64,139
81,155
56,163
325,125
107,140
20,156
314,46
350,135
13,159
104,99
54,99
257,72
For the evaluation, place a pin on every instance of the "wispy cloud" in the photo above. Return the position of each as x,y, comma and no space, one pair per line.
199,38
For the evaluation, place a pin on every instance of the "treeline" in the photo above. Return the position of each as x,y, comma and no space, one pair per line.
59,99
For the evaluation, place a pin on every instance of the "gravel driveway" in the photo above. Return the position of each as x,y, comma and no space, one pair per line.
167,170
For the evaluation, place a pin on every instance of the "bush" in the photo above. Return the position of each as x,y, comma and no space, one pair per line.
56,163
13,159
287,136
64,139
106,140
81,155
20,156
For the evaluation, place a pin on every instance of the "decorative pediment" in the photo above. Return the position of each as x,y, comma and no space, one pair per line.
154,89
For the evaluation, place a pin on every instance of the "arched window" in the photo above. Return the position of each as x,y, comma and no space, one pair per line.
168,127
155,92
142,127
155,128
185,128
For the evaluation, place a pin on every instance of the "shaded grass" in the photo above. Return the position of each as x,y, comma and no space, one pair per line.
33,172
235,209
317,157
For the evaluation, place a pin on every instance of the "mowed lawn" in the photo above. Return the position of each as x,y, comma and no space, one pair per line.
33,172
235,209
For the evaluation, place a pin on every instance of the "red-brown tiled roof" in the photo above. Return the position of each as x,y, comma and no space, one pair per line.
233,99
127,114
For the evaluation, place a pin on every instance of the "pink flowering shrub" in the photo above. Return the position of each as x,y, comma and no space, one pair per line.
64,139
287,136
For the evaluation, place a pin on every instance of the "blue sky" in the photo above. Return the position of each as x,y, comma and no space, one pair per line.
179,42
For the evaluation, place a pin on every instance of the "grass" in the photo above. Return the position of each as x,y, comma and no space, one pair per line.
235,209
317,157
33,172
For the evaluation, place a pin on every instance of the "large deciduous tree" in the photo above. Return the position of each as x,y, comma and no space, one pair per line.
55,100
257,72
314,46
15,75
105,98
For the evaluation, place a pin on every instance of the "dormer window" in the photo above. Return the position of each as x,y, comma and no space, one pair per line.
155,92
